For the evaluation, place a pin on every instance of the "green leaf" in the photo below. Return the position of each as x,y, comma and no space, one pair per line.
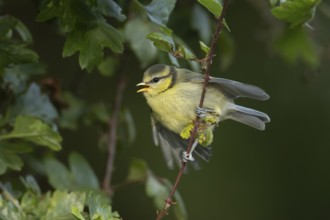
159,11
138,170
156,190
7,24
204,47
9,159
162,41
295,44
62,204
36,131
215,8
185,53
9,155
15,53
296,12
33,103
82,171
31,184
99,209
10,23
58,175
90,44
111,8
200,21
77,212
142,47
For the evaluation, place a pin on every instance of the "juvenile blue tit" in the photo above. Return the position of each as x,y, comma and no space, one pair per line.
173,95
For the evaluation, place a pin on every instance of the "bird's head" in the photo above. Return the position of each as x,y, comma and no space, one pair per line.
157,79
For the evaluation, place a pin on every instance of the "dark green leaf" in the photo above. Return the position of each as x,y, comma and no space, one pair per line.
138,170
162,41
16,147
9,159
111,8
213,6
99,209
82,172
142,47
62,204
296,12
159,11
90,44
34,130
7,23
13,52
295,44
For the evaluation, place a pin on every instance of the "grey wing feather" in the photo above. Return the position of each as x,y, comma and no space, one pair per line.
233,89
172,146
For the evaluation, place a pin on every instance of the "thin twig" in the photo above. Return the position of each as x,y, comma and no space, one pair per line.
112,136
208,62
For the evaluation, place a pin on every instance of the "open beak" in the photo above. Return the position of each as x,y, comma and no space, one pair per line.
144,89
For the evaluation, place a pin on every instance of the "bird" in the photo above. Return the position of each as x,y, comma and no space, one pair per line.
173,96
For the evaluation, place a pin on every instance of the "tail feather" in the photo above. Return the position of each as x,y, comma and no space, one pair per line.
249,116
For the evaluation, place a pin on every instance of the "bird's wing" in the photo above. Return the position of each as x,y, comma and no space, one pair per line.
233,89
172,146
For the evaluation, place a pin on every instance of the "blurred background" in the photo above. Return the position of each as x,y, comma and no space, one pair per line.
280,173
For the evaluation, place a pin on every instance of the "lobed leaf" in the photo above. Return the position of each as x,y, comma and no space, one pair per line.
296,12
36,131
162,41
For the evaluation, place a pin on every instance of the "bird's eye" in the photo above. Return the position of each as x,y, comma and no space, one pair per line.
155,80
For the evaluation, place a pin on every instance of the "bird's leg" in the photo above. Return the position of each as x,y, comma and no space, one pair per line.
188,156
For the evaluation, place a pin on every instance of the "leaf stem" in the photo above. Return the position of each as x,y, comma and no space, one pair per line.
112,136
206,66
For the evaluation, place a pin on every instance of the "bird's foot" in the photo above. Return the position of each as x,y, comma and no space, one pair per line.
186,132
187,157
206,138
202,112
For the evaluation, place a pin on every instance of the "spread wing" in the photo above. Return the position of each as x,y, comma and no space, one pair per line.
172,146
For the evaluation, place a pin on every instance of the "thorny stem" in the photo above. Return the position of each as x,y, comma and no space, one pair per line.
207,65
112,136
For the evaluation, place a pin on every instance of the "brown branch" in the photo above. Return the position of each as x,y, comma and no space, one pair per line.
112,136
207,65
